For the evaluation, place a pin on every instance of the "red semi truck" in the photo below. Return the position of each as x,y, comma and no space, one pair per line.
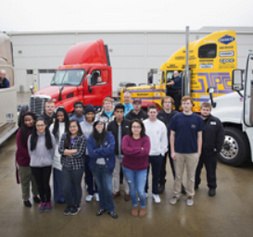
86,75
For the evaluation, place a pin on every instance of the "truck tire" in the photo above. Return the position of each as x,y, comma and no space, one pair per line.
235,150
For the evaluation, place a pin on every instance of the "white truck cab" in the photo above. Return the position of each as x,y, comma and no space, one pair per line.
235,110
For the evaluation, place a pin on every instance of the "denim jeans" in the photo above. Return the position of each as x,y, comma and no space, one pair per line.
71,179
155,162
88,178
136,181
58,193
103,180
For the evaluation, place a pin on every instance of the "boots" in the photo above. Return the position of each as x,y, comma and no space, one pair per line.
142,212
135,211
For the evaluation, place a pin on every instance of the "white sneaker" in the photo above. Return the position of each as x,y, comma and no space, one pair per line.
156,198
189,201
173,200
96,197
89,198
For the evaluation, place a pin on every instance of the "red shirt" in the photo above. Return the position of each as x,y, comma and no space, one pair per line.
135,152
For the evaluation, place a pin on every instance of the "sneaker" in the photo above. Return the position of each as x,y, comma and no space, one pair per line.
27,203
36,199
48,206
113,214
156,198
173,200
100,212
96,197
89,198
212,192
74,210
189,201
42,207
67,211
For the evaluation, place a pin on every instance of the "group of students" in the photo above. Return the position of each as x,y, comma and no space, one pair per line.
99,144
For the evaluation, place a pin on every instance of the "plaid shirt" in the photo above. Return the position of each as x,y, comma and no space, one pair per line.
77,161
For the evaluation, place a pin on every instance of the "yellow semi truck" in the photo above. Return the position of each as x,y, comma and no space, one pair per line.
211,62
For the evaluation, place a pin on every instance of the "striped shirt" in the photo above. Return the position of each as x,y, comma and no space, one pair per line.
75,162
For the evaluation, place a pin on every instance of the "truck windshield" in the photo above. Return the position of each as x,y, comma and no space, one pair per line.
68,77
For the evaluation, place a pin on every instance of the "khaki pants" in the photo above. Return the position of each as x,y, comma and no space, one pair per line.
116,178
191,162
26,178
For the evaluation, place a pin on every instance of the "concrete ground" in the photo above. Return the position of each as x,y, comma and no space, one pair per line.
229,213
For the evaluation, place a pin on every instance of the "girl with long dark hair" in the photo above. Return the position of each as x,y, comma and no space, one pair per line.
41,147
59,127
136,147
100,146
72,148
27,122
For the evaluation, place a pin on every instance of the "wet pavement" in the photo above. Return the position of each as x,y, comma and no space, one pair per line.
229,213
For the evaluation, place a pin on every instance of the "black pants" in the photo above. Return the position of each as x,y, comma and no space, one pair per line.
162,179
210,162
176,95
42,177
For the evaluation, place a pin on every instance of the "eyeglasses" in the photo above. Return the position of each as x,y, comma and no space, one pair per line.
73,126
136,127
40,126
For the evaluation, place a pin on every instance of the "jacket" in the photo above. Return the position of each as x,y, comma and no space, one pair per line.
114,128
142,115
106,151
213,136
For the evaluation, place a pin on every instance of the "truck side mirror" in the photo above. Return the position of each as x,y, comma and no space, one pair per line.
237,80
211,90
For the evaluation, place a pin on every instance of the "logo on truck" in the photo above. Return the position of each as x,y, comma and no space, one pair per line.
226,39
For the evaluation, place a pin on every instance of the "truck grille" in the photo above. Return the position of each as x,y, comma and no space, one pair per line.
37,104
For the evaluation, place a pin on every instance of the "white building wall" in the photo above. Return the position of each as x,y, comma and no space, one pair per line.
132,54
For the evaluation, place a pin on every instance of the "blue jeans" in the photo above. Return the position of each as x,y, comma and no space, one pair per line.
88,178
155,162
71,179
136,181
103,180
58,193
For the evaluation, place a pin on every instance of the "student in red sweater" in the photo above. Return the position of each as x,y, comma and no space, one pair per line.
136,147
23,159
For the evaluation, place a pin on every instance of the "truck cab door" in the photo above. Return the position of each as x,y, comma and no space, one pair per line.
98,85
248,92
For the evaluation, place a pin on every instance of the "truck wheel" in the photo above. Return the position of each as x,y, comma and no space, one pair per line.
235,150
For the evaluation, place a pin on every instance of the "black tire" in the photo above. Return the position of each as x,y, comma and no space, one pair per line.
235,150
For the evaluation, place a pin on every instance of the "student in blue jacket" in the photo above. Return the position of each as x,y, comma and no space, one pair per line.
100,146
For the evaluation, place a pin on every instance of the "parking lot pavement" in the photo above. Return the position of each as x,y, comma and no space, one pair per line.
229,213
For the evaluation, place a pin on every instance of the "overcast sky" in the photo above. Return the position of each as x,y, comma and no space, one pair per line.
96,15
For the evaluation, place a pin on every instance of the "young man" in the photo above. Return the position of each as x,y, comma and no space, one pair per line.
157,133
185,143
213,138
49,113
165,116
119,128
78,112
127,102
107,111
4,82
137,112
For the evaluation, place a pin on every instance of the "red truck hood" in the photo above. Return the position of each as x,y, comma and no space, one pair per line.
53,91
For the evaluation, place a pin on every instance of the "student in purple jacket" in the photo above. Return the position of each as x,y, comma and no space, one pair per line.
23,159
136,147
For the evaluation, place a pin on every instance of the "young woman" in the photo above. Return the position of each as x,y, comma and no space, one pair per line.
41,147
136,147
23,159
100,146
59,127
87,128
72,148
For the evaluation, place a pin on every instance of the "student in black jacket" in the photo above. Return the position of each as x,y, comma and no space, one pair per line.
213,138
119,128
165,116
137,112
